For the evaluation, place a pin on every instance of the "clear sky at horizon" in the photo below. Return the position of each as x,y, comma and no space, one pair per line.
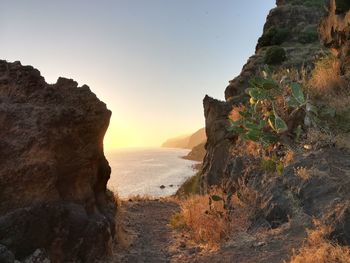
150,61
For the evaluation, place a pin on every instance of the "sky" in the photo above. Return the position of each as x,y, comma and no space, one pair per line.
151,61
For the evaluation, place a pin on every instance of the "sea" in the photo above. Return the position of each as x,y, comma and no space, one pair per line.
144,171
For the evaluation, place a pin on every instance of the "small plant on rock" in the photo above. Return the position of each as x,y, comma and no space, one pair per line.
273,36
308,36
261,120
275,55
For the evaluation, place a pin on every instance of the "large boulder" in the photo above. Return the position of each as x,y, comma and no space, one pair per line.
53,172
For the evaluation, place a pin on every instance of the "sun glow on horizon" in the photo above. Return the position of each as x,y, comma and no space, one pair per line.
120,135
128,134
152,77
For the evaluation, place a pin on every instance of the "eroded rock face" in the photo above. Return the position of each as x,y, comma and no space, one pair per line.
296,19
324,195
53,171
218,143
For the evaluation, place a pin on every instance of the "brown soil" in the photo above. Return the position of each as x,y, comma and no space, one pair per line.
146,236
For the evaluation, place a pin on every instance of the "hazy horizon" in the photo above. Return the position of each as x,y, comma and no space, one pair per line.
151,62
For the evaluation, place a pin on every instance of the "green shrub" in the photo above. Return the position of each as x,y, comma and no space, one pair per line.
342,121
260,121
308,36
274,36
342,6
275,55
177,221
189,187
272,165
309,3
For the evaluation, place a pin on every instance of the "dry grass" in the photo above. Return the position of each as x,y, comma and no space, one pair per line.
318,249
234,114
292,74
244,148
318,138
341,102
122,237
303,173
326,80
288,158
343,141
209,224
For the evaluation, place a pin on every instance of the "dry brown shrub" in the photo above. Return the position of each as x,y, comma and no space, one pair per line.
234,113
326,80
318,249
210,224
244,148
293,74
303,173
288,158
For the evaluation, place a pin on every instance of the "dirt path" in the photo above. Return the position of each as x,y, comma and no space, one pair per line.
147,223
152,240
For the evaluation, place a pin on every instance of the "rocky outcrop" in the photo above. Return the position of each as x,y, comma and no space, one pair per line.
321,189
323,194
53,172
294,18
197,153
218,143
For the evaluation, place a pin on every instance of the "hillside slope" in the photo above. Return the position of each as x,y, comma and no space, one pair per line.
282,146
186,142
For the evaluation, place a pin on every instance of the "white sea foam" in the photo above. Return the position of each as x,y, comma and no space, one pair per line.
143,171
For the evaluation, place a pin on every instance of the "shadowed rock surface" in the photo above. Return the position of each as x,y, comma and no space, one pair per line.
277,198
53,172
294,19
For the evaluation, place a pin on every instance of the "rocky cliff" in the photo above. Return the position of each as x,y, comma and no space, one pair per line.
53,172
315,182
288,25
186,142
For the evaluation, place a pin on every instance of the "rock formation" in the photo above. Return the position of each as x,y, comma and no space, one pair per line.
292,17
53,172
197,153
325,194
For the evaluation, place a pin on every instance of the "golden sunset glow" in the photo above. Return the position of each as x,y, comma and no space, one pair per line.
120,135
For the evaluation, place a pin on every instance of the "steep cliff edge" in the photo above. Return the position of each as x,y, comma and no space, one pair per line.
290,21
305,174
53,172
